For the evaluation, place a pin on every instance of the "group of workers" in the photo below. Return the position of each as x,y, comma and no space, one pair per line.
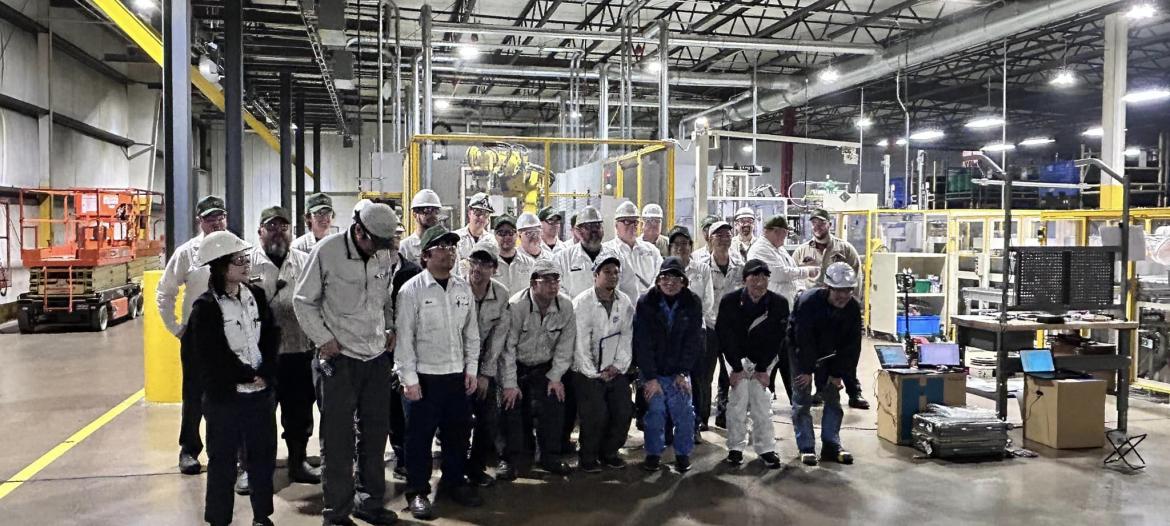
498,340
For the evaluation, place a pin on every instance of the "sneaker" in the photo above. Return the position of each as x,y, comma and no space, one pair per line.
839,456
242,485
188,464
734,457
265,521
591,466
465,496
614,463
420,507
379,516
809,459
652,463
302,472
505,471
479,478
556,467
858,402
682,463
771,459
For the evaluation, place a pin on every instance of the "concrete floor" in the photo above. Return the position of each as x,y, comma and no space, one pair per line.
51,385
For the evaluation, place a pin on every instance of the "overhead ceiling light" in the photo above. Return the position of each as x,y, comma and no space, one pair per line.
468,52
984,122
1063,78
574,115
900,142
442,104
1141,12
883,143
653,67
1146,95
1132,151
998,147
1094,132
143,5
927,135
828,75
863,122
1037,141
747,148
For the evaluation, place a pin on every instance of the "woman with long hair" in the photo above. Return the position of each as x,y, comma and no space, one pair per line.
236,342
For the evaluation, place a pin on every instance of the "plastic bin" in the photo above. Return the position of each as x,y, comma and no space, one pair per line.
919,325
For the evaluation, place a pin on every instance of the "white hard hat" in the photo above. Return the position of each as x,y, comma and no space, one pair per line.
840,275
651,211
480,201
626,209
589,214
527,220
425,198
219,244
745,211
358,206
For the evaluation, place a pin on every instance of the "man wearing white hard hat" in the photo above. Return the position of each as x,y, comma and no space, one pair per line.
745,231
344,305
824,343
528,229
236,343
640,259
479,214
426,208
185,270
652,228
576,262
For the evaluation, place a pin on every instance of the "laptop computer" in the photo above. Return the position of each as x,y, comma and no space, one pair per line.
939,355
892,356
1038,363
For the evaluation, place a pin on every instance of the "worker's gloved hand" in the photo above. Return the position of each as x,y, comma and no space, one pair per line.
511,397
557,389
412,392
651,388
331,349
737,377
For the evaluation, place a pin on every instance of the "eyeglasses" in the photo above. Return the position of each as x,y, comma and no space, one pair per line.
276,227
505,233
652,222
444,247
553,221
722,235
530,234
322,214
548,280
241,260
480,213
590,226
670,280
479,263
214,218
627,222
426,211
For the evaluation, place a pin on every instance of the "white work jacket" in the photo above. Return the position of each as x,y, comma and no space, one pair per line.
603,338
536,338
640,264
786,276
341,296
305,243
182,270
699,282
723,282
410,249
741,247
279,286
517,274
438,332
241,328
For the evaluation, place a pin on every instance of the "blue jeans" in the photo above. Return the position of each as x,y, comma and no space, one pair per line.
682,414
802,421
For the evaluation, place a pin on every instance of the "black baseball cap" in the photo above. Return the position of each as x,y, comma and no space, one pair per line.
820,213
275,212
755,266
679,230
672,266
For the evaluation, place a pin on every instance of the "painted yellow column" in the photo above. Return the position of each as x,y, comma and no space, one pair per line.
163,371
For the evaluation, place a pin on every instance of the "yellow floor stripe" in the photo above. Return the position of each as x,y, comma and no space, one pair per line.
76,438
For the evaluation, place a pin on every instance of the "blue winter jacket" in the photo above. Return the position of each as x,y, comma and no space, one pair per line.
660,350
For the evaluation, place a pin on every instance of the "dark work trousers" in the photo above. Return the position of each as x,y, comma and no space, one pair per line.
192,412
703,377
296,394
397,422
248,420
361,388
537,411
785,373
446,409
487,428
724,379
852,385
605,409
570,418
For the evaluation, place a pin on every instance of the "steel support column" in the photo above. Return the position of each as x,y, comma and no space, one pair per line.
663,80
603,109
233,94
177,105
428,108
787,151
317,157
1113,107
298,209
286,140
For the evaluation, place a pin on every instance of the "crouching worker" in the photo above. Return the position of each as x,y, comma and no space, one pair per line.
750,328
824,343
236,341
605,325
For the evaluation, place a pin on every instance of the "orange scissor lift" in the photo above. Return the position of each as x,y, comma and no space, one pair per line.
90,249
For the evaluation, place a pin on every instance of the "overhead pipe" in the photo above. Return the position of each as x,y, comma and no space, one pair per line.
398,127
676,78
663,80
954,37
381,78
709,41
427,99
603,108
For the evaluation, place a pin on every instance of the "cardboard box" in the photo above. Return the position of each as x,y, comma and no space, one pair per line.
1064,414
901,395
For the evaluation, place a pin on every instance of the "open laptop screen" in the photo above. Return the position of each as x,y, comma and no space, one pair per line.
892,356
1037,361
938,354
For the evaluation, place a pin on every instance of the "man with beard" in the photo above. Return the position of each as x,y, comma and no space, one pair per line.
426,208
319,216
276,270
640,260
745,228
528,227
184,269
821,251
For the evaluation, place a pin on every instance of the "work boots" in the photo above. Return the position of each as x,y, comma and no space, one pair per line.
299,469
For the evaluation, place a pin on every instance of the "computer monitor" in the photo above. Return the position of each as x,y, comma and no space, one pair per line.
892,356
1037,361
938,354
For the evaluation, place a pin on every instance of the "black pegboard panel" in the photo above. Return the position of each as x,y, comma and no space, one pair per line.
1063,278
